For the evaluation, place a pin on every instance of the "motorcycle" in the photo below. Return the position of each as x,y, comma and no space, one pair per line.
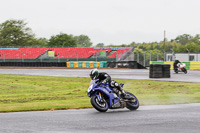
181,68
104,97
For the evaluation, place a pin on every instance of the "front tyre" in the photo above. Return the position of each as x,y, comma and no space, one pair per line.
185,71
132,105
100,106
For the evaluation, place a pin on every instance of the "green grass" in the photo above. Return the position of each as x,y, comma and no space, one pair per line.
28,93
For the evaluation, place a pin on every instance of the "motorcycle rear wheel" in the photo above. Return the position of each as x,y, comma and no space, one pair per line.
100,106
132,105
176,71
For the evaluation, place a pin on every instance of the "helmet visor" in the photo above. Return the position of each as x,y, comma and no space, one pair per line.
92,77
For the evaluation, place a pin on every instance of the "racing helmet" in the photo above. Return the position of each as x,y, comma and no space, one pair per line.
94,73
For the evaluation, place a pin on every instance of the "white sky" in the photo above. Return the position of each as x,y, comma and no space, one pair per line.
107,21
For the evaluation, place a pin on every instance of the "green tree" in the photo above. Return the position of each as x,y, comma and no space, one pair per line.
196,39
83,41
192,47
183,39
62,40
42,42
100,45
133,44
16,33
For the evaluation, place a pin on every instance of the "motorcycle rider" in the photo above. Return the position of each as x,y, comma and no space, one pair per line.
105,78
175,64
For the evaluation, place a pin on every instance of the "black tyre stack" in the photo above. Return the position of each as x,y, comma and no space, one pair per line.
159,71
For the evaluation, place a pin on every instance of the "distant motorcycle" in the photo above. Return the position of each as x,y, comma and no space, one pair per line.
181,68
104,97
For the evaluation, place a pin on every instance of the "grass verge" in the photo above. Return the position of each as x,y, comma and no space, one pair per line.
31,93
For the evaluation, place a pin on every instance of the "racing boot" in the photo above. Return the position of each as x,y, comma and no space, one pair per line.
125,96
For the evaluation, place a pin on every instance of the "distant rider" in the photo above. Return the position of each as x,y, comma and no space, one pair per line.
175,64
105,78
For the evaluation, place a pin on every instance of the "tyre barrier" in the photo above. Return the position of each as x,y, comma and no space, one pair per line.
125,64
34,64
159,71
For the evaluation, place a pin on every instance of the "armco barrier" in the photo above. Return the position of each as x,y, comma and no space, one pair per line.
195,65
80,64
171,64
103,64
86,64
75,64
91,64
68,64
71,64
156,62
189,65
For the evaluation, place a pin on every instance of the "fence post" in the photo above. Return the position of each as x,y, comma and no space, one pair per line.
188,55
164,55
172,54
149,55
138,56
157,55
144,59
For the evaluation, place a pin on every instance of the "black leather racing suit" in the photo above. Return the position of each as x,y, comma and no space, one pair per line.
175,64
105,78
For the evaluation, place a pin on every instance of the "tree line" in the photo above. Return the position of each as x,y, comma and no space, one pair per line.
16,33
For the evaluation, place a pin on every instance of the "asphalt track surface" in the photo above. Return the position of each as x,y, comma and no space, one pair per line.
192,76
180,118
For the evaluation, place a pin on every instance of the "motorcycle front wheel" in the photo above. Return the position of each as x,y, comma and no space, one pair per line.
101,106
132,105
185,71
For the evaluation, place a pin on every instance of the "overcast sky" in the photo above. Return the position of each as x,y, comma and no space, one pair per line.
107,21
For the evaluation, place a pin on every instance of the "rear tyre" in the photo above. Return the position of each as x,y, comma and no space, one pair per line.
132,105
176,70
100,106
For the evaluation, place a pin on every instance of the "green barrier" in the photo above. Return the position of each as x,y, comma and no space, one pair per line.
95,64
80,64
155,62
87,64
71,64
104,63
187,65
101,64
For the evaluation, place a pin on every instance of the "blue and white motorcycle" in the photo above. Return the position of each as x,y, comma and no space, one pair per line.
104,97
